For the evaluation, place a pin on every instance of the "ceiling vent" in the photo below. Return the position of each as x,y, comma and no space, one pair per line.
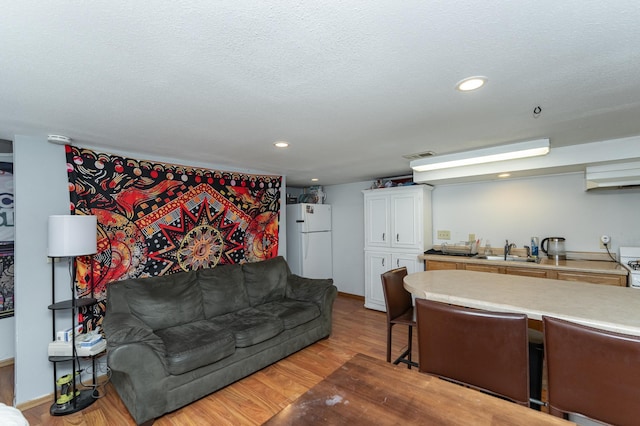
613,176
419,155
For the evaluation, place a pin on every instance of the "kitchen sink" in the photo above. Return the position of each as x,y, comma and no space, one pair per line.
508,259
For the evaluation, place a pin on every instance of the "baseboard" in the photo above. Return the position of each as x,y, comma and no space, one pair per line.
351,296
35,402
6,362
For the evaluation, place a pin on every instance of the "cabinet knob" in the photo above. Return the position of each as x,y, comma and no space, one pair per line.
383,236
398,237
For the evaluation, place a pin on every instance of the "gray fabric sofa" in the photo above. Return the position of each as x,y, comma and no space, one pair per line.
174,339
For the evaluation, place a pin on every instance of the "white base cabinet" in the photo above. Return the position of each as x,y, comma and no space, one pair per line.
378,262
397,231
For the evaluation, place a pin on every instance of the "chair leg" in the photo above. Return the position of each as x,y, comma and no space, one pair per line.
410,340
405,357
389,325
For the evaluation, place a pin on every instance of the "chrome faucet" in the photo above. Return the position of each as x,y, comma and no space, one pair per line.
507,248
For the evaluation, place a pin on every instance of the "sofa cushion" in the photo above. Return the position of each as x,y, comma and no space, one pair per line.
223,290
266,281
166,301
291,312
196,344
250,326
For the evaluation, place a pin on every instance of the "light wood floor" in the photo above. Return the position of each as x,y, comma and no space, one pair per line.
253,400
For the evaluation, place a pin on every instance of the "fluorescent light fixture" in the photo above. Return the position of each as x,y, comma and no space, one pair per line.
281,144
484,155
471,83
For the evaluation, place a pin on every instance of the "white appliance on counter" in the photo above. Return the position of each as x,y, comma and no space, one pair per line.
630,259
309,252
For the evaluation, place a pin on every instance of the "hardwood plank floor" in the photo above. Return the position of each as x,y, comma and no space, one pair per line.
255,399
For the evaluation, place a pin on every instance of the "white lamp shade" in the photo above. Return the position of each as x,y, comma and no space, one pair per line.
72,235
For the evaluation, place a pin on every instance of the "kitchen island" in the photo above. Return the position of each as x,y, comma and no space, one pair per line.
610,308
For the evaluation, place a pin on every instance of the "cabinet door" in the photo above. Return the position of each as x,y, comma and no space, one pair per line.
406,221
435,265
606,279
410,261
484,268
528,272
375,263
376,221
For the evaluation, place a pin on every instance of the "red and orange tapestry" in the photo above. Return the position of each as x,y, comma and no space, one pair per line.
157,219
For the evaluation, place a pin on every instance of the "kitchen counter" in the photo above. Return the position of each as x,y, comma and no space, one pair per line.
588,266
606,307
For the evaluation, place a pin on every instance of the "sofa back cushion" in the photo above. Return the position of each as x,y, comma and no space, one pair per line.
223,290
266,281
165,301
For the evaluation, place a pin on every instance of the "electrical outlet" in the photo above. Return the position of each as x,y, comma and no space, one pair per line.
472,237
444,235
605,239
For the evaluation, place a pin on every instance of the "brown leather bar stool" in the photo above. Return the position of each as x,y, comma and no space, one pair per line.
592,372
488,351
399,306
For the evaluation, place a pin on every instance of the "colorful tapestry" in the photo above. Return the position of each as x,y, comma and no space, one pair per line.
6,240
157,219
6,280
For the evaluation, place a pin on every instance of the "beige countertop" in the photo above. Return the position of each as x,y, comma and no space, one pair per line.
606,307
593,266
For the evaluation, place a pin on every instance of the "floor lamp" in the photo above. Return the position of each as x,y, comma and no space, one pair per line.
70,236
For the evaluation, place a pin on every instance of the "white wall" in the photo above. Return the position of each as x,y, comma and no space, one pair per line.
347,205
551,206
41,190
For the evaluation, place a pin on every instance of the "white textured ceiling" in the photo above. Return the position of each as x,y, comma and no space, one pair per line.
352,85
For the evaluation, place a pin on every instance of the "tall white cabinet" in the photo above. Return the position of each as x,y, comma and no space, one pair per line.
397,229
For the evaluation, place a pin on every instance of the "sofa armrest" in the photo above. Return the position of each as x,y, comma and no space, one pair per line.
121,329
309,289
141,375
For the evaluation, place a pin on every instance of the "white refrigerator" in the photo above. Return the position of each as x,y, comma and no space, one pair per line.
309,240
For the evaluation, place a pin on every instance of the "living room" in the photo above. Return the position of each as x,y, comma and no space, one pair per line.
494,210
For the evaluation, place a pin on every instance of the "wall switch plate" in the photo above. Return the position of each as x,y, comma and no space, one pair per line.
472,237
444,235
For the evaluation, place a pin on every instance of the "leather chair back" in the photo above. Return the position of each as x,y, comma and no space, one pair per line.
485,350
592,372
397,299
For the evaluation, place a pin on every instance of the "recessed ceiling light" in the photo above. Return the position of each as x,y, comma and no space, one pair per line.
314,179
281,144
504,175
471,83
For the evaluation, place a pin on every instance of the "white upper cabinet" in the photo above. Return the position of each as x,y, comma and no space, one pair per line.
377,226
395,217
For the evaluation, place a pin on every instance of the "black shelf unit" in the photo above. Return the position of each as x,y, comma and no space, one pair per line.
85,397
